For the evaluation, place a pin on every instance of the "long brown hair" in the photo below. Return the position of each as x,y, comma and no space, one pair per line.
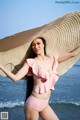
32,54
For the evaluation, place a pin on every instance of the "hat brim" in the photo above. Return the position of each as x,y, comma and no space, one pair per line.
62,35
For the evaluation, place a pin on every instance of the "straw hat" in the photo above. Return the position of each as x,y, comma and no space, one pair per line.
62,35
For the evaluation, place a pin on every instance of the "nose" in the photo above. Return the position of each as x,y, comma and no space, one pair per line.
36,46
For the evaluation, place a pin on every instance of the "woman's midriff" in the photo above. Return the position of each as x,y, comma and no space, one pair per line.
40,95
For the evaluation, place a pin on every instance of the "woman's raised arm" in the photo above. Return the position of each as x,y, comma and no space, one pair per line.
67,56
19,75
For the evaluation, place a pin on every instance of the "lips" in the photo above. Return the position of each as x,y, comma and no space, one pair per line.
36,50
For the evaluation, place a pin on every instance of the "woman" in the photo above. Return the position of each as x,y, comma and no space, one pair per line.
43,70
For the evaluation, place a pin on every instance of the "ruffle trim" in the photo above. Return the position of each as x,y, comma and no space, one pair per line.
42,88
48,80
46,86
38,71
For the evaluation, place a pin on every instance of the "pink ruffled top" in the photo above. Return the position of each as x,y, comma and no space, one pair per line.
48,79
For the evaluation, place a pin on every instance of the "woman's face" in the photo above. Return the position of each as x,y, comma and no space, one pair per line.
38,46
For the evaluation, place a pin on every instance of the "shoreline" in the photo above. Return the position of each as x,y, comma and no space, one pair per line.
63,111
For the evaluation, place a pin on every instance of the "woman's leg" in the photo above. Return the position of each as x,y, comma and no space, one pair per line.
48,114
31,113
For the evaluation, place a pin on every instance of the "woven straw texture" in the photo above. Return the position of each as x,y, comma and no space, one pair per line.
62,35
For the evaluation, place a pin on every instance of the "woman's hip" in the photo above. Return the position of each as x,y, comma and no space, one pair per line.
36,103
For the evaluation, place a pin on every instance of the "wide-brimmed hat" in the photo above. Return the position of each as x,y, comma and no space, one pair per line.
62,35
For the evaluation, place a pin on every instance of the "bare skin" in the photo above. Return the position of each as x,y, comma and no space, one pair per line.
38,47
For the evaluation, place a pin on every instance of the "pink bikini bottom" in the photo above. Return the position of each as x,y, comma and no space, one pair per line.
36,103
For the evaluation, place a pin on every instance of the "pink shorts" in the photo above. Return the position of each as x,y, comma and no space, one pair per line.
36,103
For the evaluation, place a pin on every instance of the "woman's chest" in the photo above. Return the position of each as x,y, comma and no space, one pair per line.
45,65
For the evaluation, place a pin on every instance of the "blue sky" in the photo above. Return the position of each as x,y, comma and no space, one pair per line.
21,15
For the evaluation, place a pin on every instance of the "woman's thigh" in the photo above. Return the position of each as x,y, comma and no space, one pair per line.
48,114
31,113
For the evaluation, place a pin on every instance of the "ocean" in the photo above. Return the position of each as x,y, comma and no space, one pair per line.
64,100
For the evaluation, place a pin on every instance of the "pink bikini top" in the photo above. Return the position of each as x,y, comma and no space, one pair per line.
48,79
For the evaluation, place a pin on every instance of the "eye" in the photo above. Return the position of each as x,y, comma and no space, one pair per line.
38,43
33,45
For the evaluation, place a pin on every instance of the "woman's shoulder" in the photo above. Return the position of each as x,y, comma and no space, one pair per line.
30,61
29,58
